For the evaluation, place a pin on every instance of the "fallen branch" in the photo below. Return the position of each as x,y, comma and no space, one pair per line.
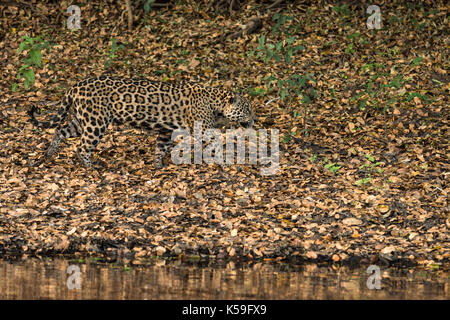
130,15
251,26
274,4
231,7
16,4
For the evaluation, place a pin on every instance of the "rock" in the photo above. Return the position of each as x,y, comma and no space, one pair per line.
160,250
243,201
388,250
352,222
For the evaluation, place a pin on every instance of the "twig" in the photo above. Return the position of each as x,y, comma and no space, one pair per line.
379,139
231,7
277,2
365,133
119,22
272,100
160,5
130,15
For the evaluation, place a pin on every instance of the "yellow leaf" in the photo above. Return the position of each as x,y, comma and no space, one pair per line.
194,63
383,208
394,179
351,126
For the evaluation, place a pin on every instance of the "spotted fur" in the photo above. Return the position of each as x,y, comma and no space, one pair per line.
91,105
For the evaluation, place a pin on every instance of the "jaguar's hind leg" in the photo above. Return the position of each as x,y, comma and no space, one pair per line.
84,155
90,138
70,130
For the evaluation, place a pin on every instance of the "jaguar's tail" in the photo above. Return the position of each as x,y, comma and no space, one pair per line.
56,119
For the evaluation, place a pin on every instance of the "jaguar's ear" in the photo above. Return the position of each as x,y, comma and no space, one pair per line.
234,98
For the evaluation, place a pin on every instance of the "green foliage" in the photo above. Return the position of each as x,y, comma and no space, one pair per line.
343,12
331,166
256,91
32,60
280,51
281,20
115,48
342,9
363,181
293,85
422,97
416,61
354,40
371,167
286,137
185,52
383,90
148,5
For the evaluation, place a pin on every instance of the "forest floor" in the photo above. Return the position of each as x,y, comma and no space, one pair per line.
362,115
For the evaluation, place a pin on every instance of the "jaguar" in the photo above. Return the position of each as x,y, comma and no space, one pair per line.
91,105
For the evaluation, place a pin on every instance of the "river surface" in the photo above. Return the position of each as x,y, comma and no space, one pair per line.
33,278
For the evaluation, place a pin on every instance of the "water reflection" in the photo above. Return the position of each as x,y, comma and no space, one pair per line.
47,279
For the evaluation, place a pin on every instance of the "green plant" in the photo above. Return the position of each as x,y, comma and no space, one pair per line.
146,4
331,166
363,181
280,50
422,97
281,20
371,167
256,91
32,60
292,85
287,137
371,164
342,9
378,90
416,61
352,37
349,49
112,53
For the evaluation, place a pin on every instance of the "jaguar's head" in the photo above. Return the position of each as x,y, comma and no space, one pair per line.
238,109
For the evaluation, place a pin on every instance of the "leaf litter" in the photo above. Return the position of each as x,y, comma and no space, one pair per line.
355,185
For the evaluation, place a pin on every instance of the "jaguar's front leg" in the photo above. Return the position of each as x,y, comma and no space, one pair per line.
206,140
163,143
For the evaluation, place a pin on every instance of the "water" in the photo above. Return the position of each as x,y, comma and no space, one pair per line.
33,278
